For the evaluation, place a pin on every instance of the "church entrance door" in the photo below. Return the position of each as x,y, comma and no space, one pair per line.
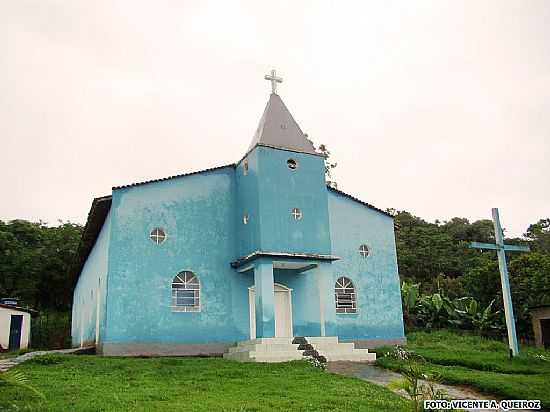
283,311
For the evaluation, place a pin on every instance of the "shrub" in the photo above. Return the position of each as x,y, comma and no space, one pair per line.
437,310
49,359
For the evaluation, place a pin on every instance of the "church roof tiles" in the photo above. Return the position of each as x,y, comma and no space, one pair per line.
332,189
173,177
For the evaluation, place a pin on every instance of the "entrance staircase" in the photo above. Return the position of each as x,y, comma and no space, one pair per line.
265,350
325,349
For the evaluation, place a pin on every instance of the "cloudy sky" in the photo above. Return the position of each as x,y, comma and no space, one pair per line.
441,108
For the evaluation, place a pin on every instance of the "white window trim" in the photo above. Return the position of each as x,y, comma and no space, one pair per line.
296,215
185,308
369,250
355,292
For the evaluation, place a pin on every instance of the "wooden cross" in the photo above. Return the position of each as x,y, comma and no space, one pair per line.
274,80
501,249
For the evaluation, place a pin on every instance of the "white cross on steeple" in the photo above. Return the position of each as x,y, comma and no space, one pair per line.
274,80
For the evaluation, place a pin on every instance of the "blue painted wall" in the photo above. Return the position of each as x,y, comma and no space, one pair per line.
269,193
248,203
198,213
376,278
93,279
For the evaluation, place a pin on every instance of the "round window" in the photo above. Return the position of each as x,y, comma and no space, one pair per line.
245,218
296,213
292,164
364,250
157,235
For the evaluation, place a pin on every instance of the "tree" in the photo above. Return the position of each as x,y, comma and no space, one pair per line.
34,262
426,250
328,165
539,234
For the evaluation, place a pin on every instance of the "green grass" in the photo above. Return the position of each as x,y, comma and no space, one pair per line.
94,383
481,363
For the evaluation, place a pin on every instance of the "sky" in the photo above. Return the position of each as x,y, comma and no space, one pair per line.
440,108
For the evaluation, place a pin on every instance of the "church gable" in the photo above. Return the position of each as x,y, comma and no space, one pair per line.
167,229
364,239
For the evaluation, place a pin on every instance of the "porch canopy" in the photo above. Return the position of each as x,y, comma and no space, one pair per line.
262,264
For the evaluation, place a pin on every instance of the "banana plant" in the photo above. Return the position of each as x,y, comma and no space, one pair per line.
409,295
437,311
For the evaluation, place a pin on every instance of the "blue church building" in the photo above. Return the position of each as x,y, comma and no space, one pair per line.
257,250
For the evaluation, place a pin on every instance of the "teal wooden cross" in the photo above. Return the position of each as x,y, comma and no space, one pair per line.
501,249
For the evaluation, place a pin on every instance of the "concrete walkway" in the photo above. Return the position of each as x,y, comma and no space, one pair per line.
8,363
381,376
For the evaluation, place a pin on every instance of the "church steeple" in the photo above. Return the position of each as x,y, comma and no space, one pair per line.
281,188
277,127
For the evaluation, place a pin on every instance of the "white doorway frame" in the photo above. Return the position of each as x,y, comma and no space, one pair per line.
277,288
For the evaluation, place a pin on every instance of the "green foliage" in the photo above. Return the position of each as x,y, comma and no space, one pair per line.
85,383
47,359
409,294
426,250
462,358
530,284
328,164
418,385
539,233
51,330
410,383
35,260
17,378
34,267
438,311
436,257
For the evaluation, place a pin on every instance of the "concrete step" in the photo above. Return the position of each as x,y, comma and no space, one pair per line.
339,347
332,350
282,350
264,356
264,350
273,359
322,339
263,347
291,355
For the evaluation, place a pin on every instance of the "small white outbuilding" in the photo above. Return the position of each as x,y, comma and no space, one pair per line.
15,327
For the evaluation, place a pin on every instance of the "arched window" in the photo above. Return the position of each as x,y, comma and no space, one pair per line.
344,294
186,291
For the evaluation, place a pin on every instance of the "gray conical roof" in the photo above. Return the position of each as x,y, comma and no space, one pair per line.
278,128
